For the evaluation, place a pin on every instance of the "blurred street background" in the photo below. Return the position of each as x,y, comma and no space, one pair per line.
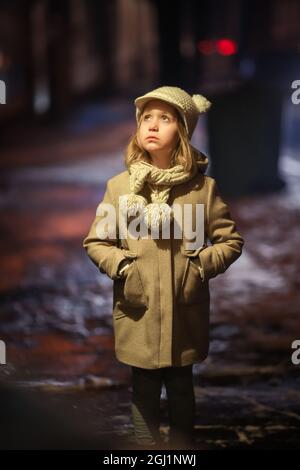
71,70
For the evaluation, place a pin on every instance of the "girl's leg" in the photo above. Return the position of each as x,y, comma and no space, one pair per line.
181,403
146,389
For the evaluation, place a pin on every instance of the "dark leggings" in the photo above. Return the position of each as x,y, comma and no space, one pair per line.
146,391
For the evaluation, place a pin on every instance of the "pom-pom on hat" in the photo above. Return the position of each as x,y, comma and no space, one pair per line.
189,107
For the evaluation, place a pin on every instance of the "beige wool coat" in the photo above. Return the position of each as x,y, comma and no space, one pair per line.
161,305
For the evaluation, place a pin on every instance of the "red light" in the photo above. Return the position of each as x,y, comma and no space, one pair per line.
226,47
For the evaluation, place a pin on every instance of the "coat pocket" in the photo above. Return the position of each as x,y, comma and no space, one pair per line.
193,290
129,290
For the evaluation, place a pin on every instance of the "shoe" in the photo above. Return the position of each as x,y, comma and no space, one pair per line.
146,444
182,442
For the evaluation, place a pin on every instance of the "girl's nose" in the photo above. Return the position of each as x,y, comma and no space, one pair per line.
153,126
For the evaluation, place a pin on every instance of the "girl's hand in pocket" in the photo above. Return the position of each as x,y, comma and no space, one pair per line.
125,263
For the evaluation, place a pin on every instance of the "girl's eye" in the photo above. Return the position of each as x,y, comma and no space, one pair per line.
164,116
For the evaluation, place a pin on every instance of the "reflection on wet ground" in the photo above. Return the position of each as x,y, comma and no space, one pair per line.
56,310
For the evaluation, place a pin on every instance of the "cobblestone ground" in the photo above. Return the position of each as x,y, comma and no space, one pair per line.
56,307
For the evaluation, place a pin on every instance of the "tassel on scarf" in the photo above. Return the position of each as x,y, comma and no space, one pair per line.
157,215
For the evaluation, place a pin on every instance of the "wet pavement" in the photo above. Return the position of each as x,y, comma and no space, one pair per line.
56,307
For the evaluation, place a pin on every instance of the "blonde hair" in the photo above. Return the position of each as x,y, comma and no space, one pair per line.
183,151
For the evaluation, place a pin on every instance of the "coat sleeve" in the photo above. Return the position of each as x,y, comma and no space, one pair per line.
226,242
104,252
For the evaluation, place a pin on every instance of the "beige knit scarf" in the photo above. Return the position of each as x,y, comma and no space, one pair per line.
158,212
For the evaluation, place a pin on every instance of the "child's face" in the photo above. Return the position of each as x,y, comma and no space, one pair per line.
158,119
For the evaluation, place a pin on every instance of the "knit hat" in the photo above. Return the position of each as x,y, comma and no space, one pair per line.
189,107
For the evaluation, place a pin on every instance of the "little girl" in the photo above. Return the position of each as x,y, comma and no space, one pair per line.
141,238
